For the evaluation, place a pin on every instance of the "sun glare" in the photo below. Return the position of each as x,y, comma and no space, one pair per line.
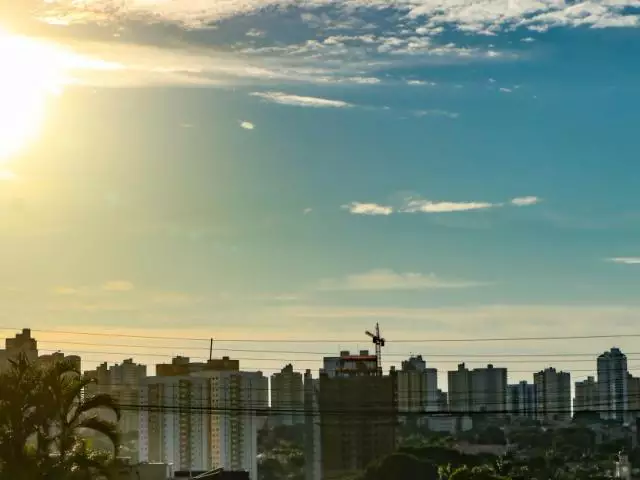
32,72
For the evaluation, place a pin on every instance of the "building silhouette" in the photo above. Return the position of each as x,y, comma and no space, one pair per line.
554,394
358,414
612,385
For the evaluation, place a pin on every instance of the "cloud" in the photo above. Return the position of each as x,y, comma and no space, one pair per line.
436,113
385,279
525,201
421,83
247,125
364,80
307,211
626,260
118,286
505,90
300,101
428,206
358,208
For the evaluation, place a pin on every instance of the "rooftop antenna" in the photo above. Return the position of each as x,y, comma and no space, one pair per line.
211,350
378,341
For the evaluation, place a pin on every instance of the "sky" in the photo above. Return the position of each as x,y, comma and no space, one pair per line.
280,176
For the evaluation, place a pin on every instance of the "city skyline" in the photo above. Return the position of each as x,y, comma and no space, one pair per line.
327,363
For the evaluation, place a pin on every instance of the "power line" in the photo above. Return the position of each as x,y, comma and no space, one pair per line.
301,360
333,354
336,341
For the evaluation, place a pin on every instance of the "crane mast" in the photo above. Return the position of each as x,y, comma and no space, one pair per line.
379,342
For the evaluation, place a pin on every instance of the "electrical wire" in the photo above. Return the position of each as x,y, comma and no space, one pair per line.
337,340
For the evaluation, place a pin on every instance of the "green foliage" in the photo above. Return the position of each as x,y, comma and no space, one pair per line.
401,466
42,417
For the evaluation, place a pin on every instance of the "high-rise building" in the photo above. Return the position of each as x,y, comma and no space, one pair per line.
287,397
23,343
459,384
443,401
121,381
175,422
417,387
633,395
357,414
522,400
184,366
489,389
612,385
239,402
554,394
53,358
312,430
586,396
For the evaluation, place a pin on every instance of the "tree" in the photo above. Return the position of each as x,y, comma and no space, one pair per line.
401,466
44,420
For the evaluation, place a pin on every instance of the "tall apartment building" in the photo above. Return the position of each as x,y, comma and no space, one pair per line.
554,394
240,403
53,358
633,396
489,389
121,381
312,430
175,422
358,413
202,421
522,400
22,343
612,385
459,385
586,396
184,366
287,397
417,387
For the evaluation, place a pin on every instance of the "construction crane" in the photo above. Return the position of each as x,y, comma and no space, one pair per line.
378,341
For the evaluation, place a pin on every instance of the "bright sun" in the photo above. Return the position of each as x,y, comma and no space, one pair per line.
31,73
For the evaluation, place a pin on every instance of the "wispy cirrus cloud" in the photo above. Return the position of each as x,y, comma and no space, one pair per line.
525,201
358,208
301,101
386,279
428,206
625,260
420,205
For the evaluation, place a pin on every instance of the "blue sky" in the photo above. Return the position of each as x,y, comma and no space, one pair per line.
258,169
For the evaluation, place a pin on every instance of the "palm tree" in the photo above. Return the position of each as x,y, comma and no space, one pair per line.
44,421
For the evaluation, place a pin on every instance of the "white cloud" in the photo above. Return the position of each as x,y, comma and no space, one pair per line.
437,113
118,286
626,260
358,208
300,101
505,90
247,125
421,83
525,201
428,206
307,211
255,33
385,279
528,40
364,80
